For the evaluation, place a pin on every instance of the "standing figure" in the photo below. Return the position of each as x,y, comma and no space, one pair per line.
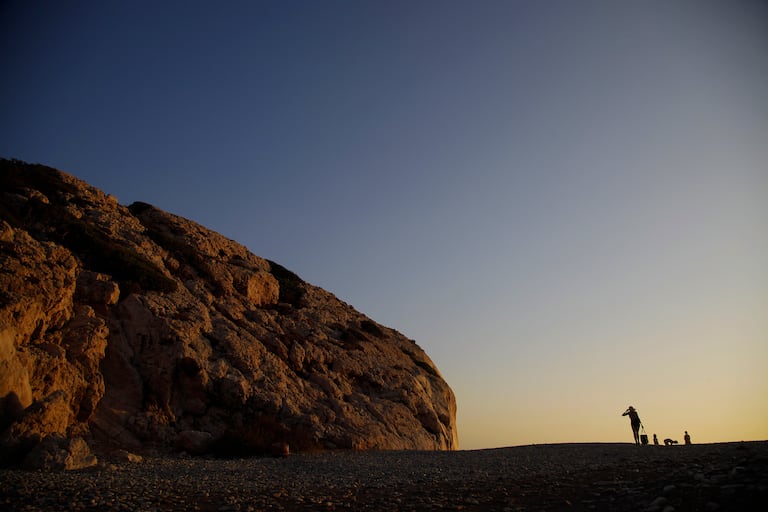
634,420
687,438
655,440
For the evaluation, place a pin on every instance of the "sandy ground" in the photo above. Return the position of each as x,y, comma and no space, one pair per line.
616,477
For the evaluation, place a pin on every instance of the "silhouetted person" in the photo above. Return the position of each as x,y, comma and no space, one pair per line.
634,421
669,442
687,438
655,440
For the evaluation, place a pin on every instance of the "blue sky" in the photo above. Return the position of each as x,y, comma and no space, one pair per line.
565,203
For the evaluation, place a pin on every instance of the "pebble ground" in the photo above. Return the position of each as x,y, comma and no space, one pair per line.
616,477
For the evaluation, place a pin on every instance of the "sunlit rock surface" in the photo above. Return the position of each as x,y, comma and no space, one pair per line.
135,328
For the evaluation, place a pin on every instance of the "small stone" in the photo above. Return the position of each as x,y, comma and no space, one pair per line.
738,470
127,456
280,450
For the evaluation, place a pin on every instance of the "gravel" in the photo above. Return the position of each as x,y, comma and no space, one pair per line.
621,477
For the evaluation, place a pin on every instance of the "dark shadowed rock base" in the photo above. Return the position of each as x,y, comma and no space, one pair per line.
623,477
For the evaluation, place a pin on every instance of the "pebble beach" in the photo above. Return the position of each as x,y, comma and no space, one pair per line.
585,476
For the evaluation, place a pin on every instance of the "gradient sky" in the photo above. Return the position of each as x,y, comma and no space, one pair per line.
565,203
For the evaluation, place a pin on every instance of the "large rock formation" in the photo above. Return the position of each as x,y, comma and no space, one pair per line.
135,328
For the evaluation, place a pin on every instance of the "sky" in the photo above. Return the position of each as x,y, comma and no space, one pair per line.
565,203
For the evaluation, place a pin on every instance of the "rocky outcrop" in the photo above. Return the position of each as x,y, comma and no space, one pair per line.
135,328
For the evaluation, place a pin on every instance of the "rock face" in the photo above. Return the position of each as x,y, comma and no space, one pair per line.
136,329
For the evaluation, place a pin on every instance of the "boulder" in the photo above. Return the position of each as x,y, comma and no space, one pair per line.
126,456
57,452
52,415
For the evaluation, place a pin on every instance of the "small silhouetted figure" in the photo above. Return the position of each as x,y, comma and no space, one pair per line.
669,442
687,438
655,440
634,420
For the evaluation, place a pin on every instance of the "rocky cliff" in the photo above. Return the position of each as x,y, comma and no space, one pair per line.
134,328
